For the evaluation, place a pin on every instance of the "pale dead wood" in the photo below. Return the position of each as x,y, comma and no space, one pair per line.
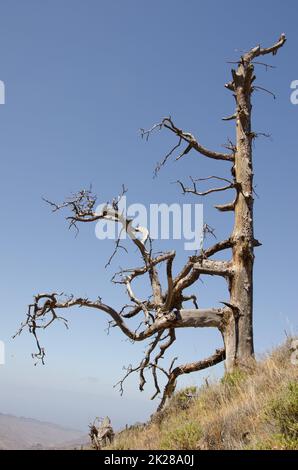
164,310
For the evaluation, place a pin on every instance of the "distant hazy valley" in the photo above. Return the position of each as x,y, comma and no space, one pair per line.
24,433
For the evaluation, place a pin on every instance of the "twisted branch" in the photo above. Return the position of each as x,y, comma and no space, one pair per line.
191,141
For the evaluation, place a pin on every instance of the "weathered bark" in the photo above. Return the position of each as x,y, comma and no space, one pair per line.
238,331
238,335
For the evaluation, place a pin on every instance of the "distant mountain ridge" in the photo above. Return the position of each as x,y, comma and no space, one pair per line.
20,433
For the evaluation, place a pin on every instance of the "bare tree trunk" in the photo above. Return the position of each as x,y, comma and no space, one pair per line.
238,334
238,328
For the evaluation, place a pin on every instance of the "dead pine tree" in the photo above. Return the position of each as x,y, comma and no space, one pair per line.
158,316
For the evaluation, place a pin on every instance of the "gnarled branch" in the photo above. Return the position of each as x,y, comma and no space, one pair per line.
170,387
192,143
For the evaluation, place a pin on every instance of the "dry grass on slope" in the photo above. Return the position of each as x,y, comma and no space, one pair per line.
245,410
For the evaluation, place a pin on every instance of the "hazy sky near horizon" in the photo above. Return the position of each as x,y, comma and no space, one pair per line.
81,78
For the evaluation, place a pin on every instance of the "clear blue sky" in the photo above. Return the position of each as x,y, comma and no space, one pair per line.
81,78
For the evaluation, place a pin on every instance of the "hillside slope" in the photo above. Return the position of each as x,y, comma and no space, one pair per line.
24,433
257,409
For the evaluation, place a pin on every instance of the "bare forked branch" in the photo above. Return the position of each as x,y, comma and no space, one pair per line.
169,389
83,208
119,277
159,310
205,253
82,205
160,164
43,312
152,364
117,246
247,61
189,139
259,51
194,189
